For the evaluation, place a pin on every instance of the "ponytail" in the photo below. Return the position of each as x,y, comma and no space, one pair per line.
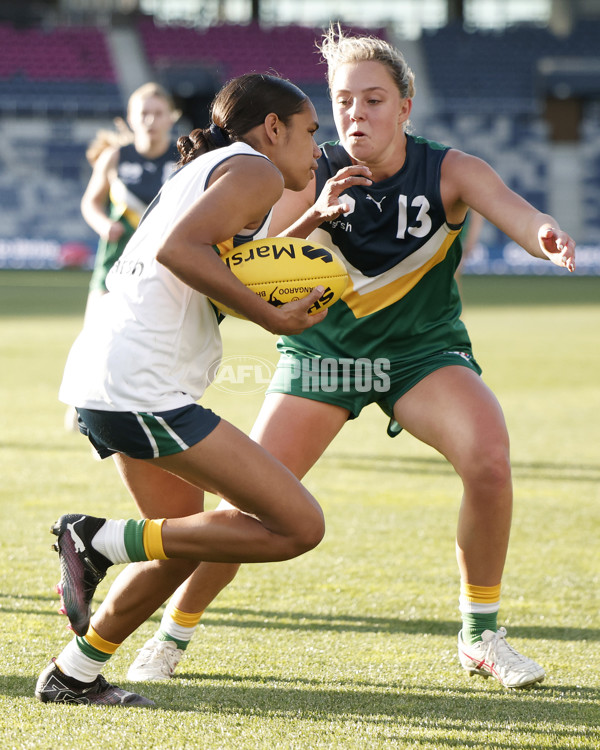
199,141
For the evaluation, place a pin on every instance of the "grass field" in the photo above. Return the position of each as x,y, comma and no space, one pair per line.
352,645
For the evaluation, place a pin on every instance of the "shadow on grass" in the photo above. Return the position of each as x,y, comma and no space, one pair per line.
437,465
308,621
521,718
360,462
261,619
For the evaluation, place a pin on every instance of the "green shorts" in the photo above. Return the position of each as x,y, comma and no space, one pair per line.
107,254
356,383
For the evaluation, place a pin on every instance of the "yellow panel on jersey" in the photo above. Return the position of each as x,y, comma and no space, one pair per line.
125,205
368,294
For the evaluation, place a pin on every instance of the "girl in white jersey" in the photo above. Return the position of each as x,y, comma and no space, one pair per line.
138,367
395,210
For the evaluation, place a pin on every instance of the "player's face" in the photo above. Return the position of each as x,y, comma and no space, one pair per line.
151,117
369,112
299,153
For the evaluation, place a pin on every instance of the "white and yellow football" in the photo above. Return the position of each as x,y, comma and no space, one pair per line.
284,269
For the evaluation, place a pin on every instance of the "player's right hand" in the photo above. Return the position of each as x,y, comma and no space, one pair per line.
293,317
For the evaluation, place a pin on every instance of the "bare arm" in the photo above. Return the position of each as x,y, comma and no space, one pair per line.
299,214
473,231
241,193
95,197
469,182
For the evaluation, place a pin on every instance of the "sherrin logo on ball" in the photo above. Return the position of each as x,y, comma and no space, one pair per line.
284,269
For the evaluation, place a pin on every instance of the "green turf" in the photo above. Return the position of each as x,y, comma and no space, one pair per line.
352,645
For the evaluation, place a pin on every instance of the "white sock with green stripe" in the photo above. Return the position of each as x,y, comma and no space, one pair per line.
178,626
84,657
129,541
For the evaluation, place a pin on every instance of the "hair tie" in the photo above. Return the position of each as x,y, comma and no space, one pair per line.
218,135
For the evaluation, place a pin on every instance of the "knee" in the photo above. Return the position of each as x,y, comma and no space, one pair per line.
309,534
489,471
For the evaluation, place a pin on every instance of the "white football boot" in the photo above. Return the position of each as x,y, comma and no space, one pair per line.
155,662
492,656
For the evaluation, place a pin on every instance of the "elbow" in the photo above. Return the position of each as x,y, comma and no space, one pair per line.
170,256
164,254
84,207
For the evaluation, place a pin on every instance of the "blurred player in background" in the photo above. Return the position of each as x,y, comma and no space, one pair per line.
394,205
130,165
129,168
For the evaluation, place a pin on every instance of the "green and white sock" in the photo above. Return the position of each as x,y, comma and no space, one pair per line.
479,607
130,541
178,626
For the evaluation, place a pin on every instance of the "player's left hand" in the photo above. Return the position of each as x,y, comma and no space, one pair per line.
557,246
331,203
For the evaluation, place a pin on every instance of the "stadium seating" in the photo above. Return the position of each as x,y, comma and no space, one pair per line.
485,71
58,86
517,148
43,171
233,49
590,160
230,50
65,71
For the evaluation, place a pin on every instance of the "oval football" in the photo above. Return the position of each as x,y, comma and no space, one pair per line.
284,269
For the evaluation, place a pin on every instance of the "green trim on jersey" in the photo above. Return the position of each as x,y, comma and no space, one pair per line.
108,253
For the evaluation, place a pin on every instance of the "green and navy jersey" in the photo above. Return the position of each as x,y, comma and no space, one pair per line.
139,179
401,254
143,176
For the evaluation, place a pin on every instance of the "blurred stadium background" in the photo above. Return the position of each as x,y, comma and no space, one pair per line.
516,82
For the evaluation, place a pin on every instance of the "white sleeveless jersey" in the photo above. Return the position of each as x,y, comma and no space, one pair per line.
154,343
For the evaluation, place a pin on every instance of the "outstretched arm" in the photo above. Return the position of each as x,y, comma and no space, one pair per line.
469,182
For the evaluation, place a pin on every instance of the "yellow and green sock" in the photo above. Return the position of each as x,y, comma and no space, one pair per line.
178,626
131,540
84,657
479,607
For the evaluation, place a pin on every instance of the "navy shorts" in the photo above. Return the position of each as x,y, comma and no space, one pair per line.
146,434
